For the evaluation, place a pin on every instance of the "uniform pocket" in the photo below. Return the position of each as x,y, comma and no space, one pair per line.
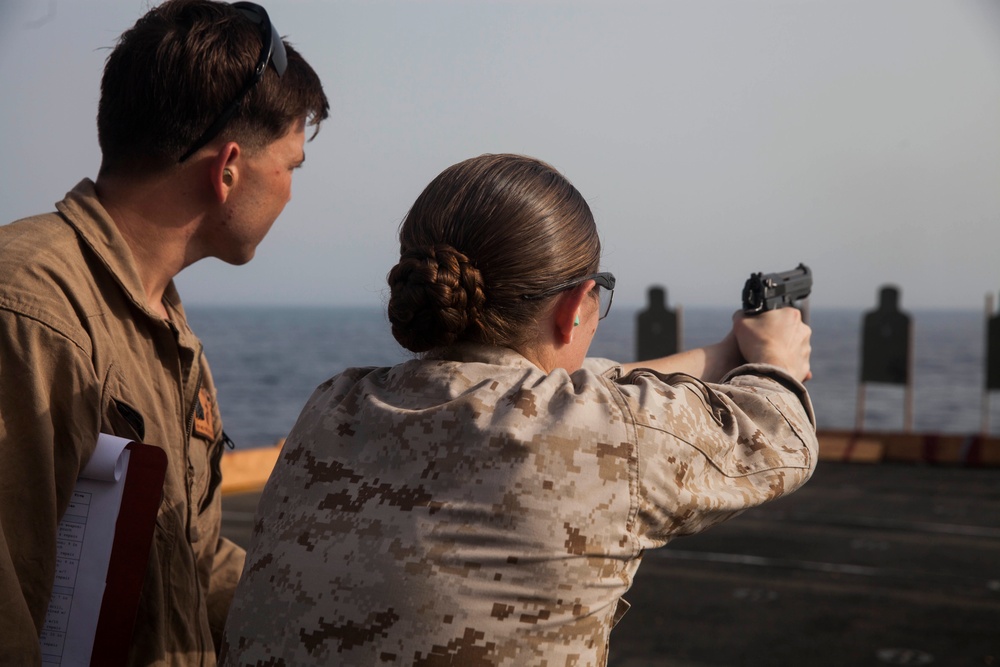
215,467
120,416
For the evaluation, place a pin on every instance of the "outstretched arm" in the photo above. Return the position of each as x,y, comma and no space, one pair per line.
777,337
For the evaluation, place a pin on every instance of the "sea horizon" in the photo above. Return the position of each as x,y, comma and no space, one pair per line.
267,359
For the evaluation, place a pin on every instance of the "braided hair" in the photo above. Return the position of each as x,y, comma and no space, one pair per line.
484,234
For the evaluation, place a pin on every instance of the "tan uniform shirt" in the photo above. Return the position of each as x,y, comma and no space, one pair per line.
80,353
471,510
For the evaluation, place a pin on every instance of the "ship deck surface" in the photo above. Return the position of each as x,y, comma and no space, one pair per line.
865,565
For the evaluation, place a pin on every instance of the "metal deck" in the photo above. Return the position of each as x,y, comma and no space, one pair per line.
889,564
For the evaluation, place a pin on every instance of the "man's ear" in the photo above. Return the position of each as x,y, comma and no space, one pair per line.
569,311
224,172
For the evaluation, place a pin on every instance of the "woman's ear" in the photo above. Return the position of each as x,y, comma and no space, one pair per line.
569,311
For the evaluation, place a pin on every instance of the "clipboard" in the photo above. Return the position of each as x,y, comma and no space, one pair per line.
129,554
101,567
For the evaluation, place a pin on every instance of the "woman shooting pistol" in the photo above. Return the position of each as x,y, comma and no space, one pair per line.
489,502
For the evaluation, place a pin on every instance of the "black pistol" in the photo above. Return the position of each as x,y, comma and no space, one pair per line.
767,291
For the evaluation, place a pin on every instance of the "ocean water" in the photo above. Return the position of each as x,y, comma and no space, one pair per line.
268,360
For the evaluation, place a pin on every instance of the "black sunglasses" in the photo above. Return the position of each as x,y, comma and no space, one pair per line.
272,52
603,279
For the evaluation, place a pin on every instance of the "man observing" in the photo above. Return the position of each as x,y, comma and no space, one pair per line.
202,121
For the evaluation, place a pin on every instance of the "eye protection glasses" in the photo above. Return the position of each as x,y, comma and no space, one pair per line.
272,53
605,287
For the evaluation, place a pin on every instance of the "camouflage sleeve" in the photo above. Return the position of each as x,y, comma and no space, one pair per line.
710,451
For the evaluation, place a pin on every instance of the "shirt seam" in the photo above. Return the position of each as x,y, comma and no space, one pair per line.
632,432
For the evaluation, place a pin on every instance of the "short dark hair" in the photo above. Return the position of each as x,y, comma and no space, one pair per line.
177,68
483,235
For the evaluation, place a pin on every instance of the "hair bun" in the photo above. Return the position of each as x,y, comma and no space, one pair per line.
436,294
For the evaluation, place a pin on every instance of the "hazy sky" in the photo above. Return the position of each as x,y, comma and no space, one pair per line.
712,138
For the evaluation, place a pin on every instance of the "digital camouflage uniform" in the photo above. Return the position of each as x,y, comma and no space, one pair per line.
468,509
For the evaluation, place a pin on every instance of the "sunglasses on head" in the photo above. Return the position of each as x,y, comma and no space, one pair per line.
272,53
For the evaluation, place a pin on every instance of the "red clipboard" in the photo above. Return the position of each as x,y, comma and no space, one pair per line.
141,497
